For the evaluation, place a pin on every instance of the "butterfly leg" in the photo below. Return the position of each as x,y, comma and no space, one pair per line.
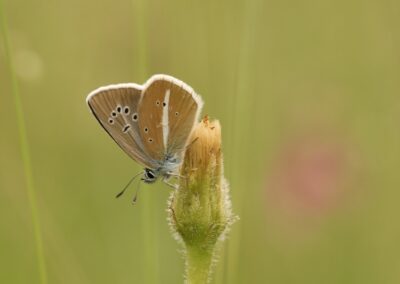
191,143
174,186
178,176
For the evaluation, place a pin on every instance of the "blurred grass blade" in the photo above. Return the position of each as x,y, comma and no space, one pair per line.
24,147
243,101
148,203
140,37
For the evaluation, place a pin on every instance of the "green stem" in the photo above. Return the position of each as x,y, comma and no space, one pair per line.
198,265
24,147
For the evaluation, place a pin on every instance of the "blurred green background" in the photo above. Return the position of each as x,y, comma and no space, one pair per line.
307,93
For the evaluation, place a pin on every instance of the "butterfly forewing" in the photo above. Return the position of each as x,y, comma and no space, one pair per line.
116,108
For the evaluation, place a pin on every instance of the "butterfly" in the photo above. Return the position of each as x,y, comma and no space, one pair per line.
151,122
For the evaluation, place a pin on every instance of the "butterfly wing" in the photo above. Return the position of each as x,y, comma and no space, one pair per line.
116,109
151,110
183,112
168,111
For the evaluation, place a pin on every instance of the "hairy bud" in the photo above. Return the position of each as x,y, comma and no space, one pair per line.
200,209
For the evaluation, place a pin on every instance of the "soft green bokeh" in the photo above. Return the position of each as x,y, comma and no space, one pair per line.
308,95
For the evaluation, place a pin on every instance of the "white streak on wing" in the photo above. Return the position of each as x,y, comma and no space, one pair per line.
165,122
177,82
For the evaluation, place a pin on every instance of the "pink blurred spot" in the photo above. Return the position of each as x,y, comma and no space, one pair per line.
309,176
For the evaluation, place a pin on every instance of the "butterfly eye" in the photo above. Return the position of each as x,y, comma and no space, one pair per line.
111,121
150,140
176,113
135,117
113,114
150,174
119,109
164,104
126,110
157,103
146,129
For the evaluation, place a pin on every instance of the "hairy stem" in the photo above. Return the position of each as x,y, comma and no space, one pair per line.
198,265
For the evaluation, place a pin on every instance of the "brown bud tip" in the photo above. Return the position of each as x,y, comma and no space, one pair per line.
204,149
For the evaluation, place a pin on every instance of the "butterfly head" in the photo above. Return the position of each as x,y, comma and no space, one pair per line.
150,176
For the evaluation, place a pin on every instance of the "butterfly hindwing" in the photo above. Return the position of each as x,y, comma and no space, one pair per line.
183,111
151,110
168,110
116,109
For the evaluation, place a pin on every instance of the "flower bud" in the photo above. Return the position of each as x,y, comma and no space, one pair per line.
200,209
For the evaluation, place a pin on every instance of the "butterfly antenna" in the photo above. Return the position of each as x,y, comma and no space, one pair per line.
129,183
136,194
